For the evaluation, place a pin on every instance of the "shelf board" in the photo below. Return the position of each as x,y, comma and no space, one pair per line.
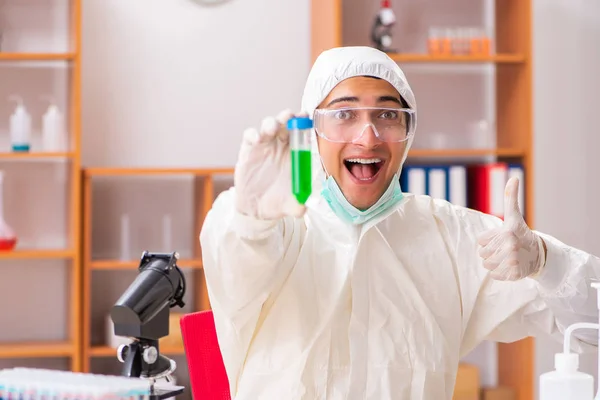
107,351
155,171
35,156
36,350
413,153
35,254
36,56
427,58
134,264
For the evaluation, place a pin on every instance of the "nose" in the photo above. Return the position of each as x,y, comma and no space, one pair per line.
368,137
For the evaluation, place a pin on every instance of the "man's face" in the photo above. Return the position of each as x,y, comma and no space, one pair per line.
352,165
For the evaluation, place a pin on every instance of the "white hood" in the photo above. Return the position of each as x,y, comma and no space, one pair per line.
335,65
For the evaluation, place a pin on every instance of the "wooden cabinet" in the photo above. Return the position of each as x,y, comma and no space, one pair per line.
40,57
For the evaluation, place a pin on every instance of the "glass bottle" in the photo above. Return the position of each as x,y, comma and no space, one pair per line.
8,238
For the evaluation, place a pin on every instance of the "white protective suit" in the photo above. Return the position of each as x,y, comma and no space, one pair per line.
314,308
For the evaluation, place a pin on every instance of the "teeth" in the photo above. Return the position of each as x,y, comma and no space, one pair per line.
364,160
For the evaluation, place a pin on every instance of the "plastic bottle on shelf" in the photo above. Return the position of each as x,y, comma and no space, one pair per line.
8,238
54,136
20,127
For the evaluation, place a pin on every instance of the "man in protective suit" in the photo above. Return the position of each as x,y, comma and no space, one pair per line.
367,292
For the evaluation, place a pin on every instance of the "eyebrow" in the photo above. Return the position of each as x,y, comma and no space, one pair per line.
352,99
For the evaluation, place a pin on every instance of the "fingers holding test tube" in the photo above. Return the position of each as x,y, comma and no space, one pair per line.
265,172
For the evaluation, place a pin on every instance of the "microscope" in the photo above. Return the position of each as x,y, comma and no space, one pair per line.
142,314
381,31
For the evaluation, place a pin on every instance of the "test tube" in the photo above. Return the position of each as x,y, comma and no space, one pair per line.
125,238
446,41
167,233
299,129
433,41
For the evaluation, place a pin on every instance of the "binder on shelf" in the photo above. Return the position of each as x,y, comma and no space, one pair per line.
488,182
457,185
437,182
446,182
413,179
518,171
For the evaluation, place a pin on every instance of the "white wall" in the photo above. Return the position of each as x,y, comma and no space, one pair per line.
173,83
567,61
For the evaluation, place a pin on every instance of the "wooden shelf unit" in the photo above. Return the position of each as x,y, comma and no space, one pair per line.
204,193
107,351
37,254
70,348
35,156
118,264
39,56
36,350
514,108
426,58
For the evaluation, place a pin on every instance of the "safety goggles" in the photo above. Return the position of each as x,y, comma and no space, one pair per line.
346,125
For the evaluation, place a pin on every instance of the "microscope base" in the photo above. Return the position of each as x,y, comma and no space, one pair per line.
166,392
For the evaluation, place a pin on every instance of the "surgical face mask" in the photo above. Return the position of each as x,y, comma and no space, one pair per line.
332,193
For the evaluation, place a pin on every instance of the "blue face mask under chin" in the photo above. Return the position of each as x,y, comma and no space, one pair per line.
347,212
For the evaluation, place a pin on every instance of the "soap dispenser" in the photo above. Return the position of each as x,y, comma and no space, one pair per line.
20,127
54,136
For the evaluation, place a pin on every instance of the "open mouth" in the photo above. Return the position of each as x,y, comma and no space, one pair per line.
364,169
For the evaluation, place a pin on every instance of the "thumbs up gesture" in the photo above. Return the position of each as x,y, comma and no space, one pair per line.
512,251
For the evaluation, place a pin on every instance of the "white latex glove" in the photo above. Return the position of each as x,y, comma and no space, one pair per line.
512,251
263,172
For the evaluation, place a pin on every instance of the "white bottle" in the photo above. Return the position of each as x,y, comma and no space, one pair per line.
20,127
566,382
54,136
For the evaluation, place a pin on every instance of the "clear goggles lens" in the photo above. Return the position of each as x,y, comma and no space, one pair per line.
346,125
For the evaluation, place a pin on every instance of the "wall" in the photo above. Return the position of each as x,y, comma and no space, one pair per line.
173,83
567,60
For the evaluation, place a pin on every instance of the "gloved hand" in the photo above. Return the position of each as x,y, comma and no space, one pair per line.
263,174
512,251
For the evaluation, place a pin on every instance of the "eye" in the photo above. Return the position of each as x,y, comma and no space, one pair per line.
342,115
389,114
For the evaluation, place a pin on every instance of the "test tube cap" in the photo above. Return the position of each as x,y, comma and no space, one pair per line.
299,123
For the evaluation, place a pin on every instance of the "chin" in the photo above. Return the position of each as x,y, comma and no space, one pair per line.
364,198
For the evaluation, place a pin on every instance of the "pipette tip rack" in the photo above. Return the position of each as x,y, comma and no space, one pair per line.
44,384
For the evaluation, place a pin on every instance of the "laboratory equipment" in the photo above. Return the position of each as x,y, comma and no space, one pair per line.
142,314
381,32
566,382
125,238
459,41
20,127
37,383
54,136
167,231
8,238
300,128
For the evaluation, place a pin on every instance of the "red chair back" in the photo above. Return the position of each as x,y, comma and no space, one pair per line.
208,377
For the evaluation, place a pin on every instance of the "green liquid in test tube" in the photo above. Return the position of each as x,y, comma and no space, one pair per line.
299,128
